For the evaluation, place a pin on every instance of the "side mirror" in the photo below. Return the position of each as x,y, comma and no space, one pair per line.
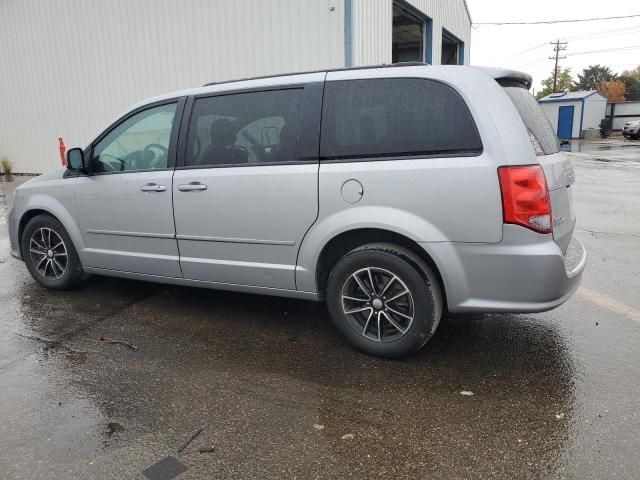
75,159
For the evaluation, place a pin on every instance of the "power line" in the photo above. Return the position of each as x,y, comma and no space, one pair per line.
587,52
604,33
530,49
531,64
607,33
550,22
632,47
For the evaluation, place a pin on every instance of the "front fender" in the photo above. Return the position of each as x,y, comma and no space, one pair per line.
382,218
61,205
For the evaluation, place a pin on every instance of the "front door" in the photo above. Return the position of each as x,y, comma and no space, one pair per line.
247,192
124,204
565,122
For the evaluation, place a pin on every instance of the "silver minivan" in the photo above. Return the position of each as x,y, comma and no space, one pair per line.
392,193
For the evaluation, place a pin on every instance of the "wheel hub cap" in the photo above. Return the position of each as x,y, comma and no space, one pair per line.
377,304
48,253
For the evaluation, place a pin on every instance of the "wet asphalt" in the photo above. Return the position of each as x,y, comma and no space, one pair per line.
280,395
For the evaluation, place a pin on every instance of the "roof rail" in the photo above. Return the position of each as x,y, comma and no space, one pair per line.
392,65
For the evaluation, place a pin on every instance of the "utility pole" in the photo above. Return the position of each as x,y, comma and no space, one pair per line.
558,47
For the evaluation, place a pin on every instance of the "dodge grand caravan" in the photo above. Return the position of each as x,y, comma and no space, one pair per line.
392,193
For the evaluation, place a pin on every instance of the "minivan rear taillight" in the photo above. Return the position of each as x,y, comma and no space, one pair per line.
525,197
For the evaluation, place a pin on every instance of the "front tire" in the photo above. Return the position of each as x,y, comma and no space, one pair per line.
384,300
49,254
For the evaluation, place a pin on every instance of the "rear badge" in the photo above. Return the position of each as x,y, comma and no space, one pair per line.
571,176
558,221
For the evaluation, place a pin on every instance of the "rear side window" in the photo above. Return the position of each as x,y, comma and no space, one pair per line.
395,117
244,128
543,138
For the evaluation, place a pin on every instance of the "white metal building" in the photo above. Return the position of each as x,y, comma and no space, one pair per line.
571,113
623,112
70,66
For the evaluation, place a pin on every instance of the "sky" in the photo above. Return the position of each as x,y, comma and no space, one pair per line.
527,48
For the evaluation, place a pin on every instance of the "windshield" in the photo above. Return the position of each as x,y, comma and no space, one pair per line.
544,139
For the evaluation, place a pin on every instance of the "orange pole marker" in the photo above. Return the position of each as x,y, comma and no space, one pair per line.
63,150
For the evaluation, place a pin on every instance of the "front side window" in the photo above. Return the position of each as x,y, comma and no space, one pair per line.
244,128
395,117
141,142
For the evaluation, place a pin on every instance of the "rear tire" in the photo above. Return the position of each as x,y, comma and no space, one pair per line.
49,254
384,300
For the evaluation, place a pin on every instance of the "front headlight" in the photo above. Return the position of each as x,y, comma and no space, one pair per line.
634,123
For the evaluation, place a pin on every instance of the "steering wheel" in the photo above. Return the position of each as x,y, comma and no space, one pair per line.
241,148
156,158
119,166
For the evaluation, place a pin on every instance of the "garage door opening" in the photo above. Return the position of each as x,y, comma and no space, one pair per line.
408,36
452,49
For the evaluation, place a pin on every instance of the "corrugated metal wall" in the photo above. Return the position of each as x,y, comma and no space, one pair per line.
372,28
67,67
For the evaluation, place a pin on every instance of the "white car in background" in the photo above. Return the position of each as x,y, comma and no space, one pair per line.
631,129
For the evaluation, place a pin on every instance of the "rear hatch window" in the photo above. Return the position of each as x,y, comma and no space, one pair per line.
543,138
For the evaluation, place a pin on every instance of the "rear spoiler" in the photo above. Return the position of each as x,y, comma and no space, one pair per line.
509,78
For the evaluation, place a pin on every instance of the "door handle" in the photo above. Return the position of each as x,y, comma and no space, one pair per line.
153,187
192,187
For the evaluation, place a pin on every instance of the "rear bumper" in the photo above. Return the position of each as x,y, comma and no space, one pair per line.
526,272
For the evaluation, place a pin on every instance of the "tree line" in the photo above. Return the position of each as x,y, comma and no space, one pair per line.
616,87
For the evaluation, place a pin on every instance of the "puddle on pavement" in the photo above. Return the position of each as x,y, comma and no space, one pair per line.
578,146
228,361
76,358
112,428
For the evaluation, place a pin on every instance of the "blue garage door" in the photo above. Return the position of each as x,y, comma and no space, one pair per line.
565,122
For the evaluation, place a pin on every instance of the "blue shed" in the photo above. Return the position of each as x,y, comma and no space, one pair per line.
571,113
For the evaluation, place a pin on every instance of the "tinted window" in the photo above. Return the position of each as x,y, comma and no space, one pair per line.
254,127
535,120
395,117
141,142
